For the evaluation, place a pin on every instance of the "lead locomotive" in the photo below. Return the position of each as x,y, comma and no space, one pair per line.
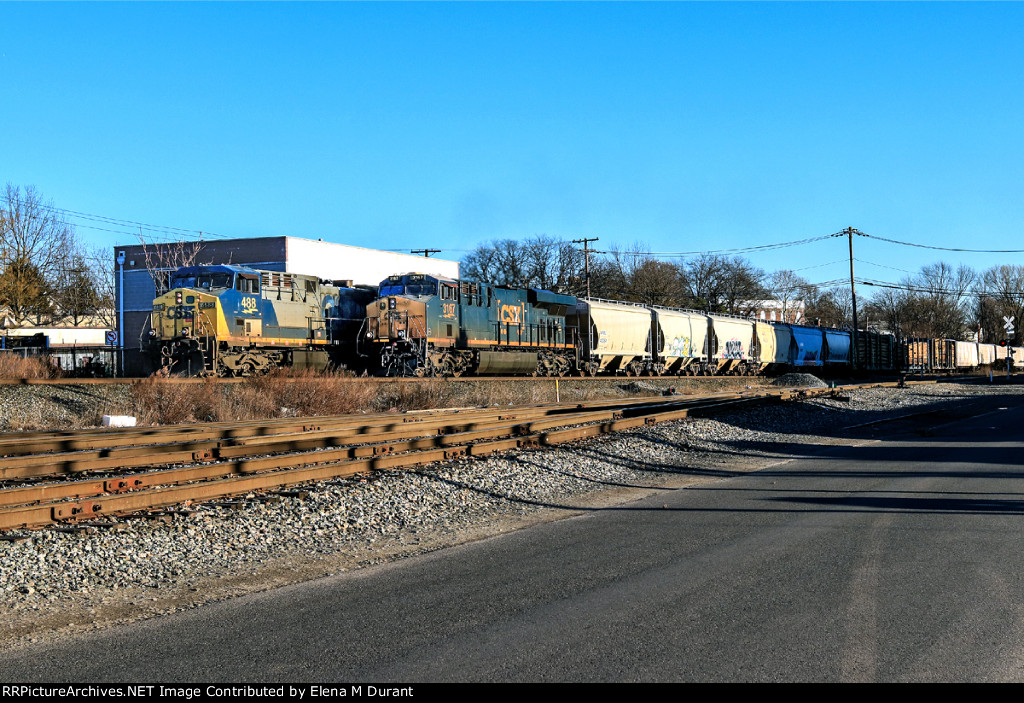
237,321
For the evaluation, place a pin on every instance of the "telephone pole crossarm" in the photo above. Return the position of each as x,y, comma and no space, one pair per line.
586,258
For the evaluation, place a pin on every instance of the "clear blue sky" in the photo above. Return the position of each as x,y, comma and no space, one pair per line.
689,126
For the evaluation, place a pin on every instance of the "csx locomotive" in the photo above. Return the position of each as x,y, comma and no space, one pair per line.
237,321
426,325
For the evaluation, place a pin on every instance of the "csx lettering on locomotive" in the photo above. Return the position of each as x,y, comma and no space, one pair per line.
510,314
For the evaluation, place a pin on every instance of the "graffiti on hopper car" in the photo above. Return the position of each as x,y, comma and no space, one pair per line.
733,349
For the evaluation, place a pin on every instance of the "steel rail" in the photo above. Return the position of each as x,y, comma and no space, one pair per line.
245,467
21,444
347,432
148,491
353,379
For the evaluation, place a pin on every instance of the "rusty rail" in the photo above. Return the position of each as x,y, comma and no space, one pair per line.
245,457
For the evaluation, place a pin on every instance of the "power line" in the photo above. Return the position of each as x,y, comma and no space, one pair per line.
737,250
931,290
929,246
117,222
894,268
818,266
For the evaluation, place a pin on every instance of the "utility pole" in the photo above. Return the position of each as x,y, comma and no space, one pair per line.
426,252
850,231
586,258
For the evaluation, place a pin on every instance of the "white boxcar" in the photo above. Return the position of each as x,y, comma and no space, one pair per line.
986,354
681,340
966,355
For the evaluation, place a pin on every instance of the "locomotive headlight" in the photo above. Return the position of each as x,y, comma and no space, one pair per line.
177,297
392,303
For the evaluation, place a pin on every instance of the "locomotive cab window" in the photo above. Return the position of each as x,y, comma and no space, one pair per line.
247,284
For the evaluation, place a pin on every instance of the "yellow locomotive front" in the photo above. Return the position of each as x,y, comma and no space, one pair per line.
185,326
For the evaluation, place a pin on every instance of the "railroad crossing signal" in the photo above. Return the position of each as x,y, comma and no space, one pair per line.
1009,324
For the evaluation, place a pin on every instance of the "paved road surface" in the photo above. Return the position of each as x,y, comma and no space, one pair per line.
897,560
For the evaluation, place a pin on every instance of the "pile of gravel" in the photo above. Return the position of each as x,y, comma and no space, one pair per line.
799,379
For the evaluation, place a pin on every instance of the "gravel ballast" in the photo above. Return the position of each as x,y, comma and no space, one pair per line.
54,582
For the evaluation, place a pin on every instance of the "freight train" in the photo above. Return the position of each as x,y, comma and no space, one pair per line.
433,326
231,320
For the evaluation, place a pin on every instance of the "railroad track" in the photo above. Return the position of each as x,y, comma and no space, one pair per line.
48,478
351,379
378,379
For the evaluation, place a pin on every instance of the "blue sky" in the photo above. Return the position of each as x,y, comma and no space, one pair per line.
679,126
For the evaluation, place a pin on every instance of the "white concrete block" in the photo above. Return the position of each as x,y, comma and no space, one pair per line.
118,421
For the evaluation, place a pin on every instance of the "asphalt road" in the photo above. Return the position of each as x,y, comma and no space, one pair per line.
893,560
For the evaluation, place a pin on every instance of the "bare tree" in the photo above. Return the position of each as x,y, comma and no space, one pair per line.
933,303
101,273
34,240
1001,295
789,290
73,292
163,259
742,286
703,278
721,284
536,262
832,307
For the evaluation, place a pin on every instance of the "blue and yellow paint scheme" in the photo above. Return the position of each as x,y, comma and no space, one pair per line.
236,321
427,325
